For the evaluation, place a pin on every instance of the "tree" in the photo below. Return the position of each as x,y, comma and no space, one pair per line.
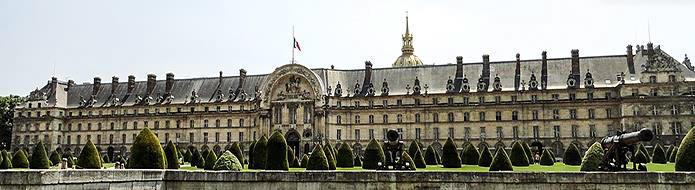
277,151
197,158
305,161
39,158
485,158
172,156
592,158
501,161
450,158
470,155
358,161
19,160
210,160
419,160
89,157
227,161
188,157
104,159
344,158
6,162
414,146
519,157
572,156
7,109
330,156
318,160
260,153
646,153
659,155
668,152
430,156
373,154
55,158
672,157
146,152
546,159
685,156
407,159
236,150
528,152
640,157
251,148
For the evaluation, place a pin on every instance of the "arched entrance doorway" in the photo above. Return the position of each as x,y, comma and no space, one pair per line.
293,138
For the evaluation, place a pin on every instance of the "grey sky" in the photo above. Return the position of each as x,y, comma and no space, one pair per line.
82,39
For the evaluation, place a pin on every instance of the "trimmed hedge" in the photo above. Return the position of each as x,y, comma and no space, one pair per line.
328,149
210,160
668,152
196,159
305,161
55,158
318,160
640,157
412,148
39,158
89,157
572,156
518,156
252,147
419,159
470,155
6,162
172,156
358,161
19,160
373,154
546,159
592,158
450,158
485,157
227,161
290,157
276,150
501,161
146,152
646,153
188,157
672,158
431,156
659,156
685,157
236,150
260,153
344,158
527,150
104,159
407,159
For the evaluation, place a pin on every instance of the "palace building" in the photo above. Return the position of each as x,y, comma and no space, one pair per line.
547,102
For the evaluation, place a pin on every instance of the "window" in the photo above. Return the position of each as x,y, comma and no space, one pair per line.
135,125
417,118
357,134
229,122
417,133
481,99
385,103
399,102
535,115
399,118
123,138
499,132
451,132
590,95
205,123
400,133
498,99
635,92
371,103
191,137
574,131
450,117
515,115
556,114
675,110
653,92
498,116
483,134
573,96
435,133
357,119
514,98
241,136
672,78
466,133
556,131
608,95
371,119
293,114
482,116
386,118
465,100
592,131
466,116
241,123
338,119
435,117
534,98
515,132
573,113
417,102
676,127
652,79
450,101
167,123
205,137
191,124
178,124
435,101
166,137
229,136
217,136
608,113
217,123
371,134
384,131
536,132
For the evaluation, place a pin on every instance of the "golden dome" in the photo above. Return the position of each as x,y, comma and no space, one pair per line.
407,57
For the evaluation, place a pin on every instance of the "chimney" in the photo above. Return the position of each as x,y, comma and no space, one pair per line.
575,67
131,84
650,53
517,72
458,80
367,79
486,70
71,83
544,70
242,79
151,82
114,84
96,85
169,83
630,60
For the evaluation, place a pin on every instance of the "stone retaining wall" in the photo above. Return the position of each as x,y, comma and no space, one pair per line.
181,179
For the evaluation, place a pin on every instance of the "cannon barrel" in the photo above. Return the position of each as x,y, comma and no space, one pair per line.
392,135
630,138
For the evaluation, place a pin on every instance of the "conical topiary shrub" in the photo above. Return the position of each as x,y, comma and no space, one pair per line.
572,156
104,159
19,160
419,159
485,157
196,159
172,156
328,150
501,162
373,154
89,157
592,158
344,158
430,156
527,150
277,152
146,152
552,153
412,148
39,158
227,161
358,161
672,157
646,153
470,155
450,158
305,161
210,160
252,146
407,159
659,156
318,160
6,162
640,157
518,157
685,156
546,159
668,152
236,150
188,157
55,158
260,153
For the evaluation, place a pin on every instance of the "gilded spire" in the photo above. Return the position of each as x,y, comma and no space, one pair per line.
407,57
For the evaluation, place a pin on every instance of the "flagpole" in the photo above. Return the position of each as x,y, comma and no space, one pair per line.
293,44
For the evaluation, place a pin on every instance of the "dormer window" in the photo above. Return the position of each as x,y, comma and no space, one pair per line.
652,79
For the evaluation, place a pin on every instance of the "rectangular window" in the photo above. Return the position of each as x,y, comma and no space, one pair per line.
481,99
217,136
371,134
465,100
556,114
357,134
466,116
386,118
205,123
608,113
499,132
383,132
435,117
573,96
498,99
205,137
514,99
357,119
435,133
536,132
482,116
483,134
515,132
417,118
450,101
451,132
371,119
191,124
575,131
592,131
590,95
498,116
417,133
556,131
591,113
535,115
608,95
573,114
466,133
191,137
229,136
450,117
534,98
338,119
241,136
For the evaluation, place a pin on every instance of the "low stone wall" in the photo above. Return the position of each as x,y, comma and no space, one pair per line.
181,179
